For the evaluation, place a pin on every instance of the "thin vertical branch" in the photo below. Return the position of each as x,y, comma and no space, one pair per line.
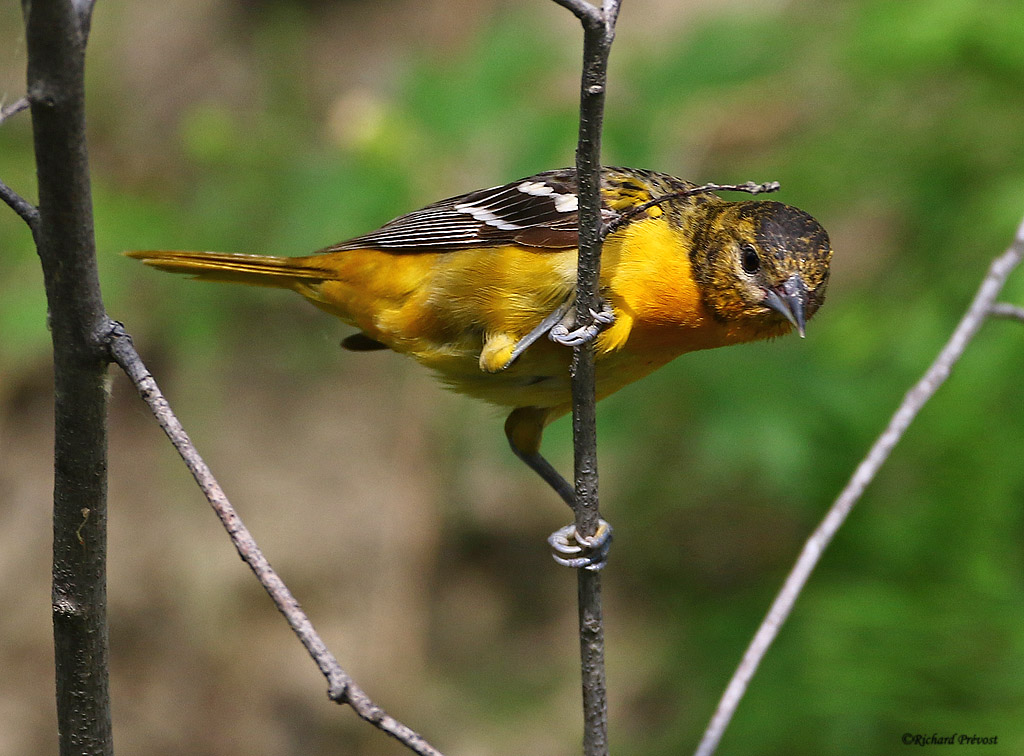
55,32
598,33
597,39
983,305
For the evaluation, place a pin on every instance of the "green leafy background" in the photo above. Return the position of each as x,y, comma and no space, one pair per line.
394,510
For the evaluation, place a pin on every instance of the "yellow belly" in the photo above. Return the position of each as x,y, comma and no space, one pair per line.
443,309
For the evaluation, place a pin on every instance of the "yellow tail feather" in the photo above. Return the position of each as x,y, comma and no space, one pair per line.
254,270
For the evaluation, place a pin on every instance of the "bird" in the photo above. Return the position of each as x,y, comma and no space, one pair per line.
480,288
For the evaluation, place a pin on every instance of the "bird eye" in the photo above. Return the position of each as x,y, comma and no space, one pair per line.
749,259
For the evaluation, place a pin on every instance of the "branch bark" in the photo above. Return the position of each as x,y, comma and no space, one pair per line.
63,229
983,305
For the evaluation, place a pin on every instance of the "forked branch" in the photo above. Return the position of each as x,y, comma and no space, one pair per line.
589,15
340,687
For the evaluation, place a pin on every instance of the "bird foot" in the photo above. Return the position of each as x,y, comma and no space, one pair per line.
573,550
560,333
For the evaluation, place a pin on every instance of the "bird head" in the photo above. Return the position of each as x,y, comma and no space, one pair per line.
763,264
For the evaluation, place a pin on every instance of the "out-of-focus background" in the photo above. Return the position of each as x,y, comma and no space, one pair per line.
395,511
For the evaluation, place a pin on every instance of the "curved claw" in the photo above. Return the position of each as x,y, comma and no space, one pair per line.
572,550
603,318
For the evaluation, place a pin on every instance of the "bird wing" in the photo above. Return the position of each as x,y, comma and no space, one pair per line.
538,211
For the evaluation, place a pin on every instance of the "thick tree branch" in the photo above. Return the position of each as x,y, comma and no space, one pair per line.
63,230
983,305
340,687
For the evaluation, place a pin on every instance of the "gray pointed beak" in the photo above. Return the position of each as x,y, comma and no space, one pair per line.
789,299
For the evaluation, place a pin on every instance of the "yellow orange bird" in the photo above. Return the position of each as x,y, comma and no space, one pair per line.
471,285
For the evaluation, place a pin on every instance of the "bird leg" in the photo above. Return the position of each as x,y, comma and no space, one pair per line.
545,326
559,326
523,428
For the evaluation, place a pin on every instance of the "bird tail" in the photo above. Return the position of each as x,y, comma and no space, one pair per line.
253,270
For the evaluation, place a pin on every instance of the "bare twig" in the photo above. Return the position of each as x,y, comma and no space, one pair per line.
340,687
25,209
1006,310
6,111
981,307
588,14
750,187
598,34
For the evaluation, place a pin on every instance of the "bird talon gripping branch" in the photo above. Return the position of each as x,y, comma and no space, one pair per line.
561,333
573,550
468,285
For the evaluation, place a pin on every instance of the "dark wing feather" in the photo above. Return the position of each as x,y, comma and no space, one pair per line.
538,211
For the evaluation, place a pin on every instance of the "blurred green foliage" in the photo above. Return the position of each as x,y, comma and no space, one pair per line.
898,125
